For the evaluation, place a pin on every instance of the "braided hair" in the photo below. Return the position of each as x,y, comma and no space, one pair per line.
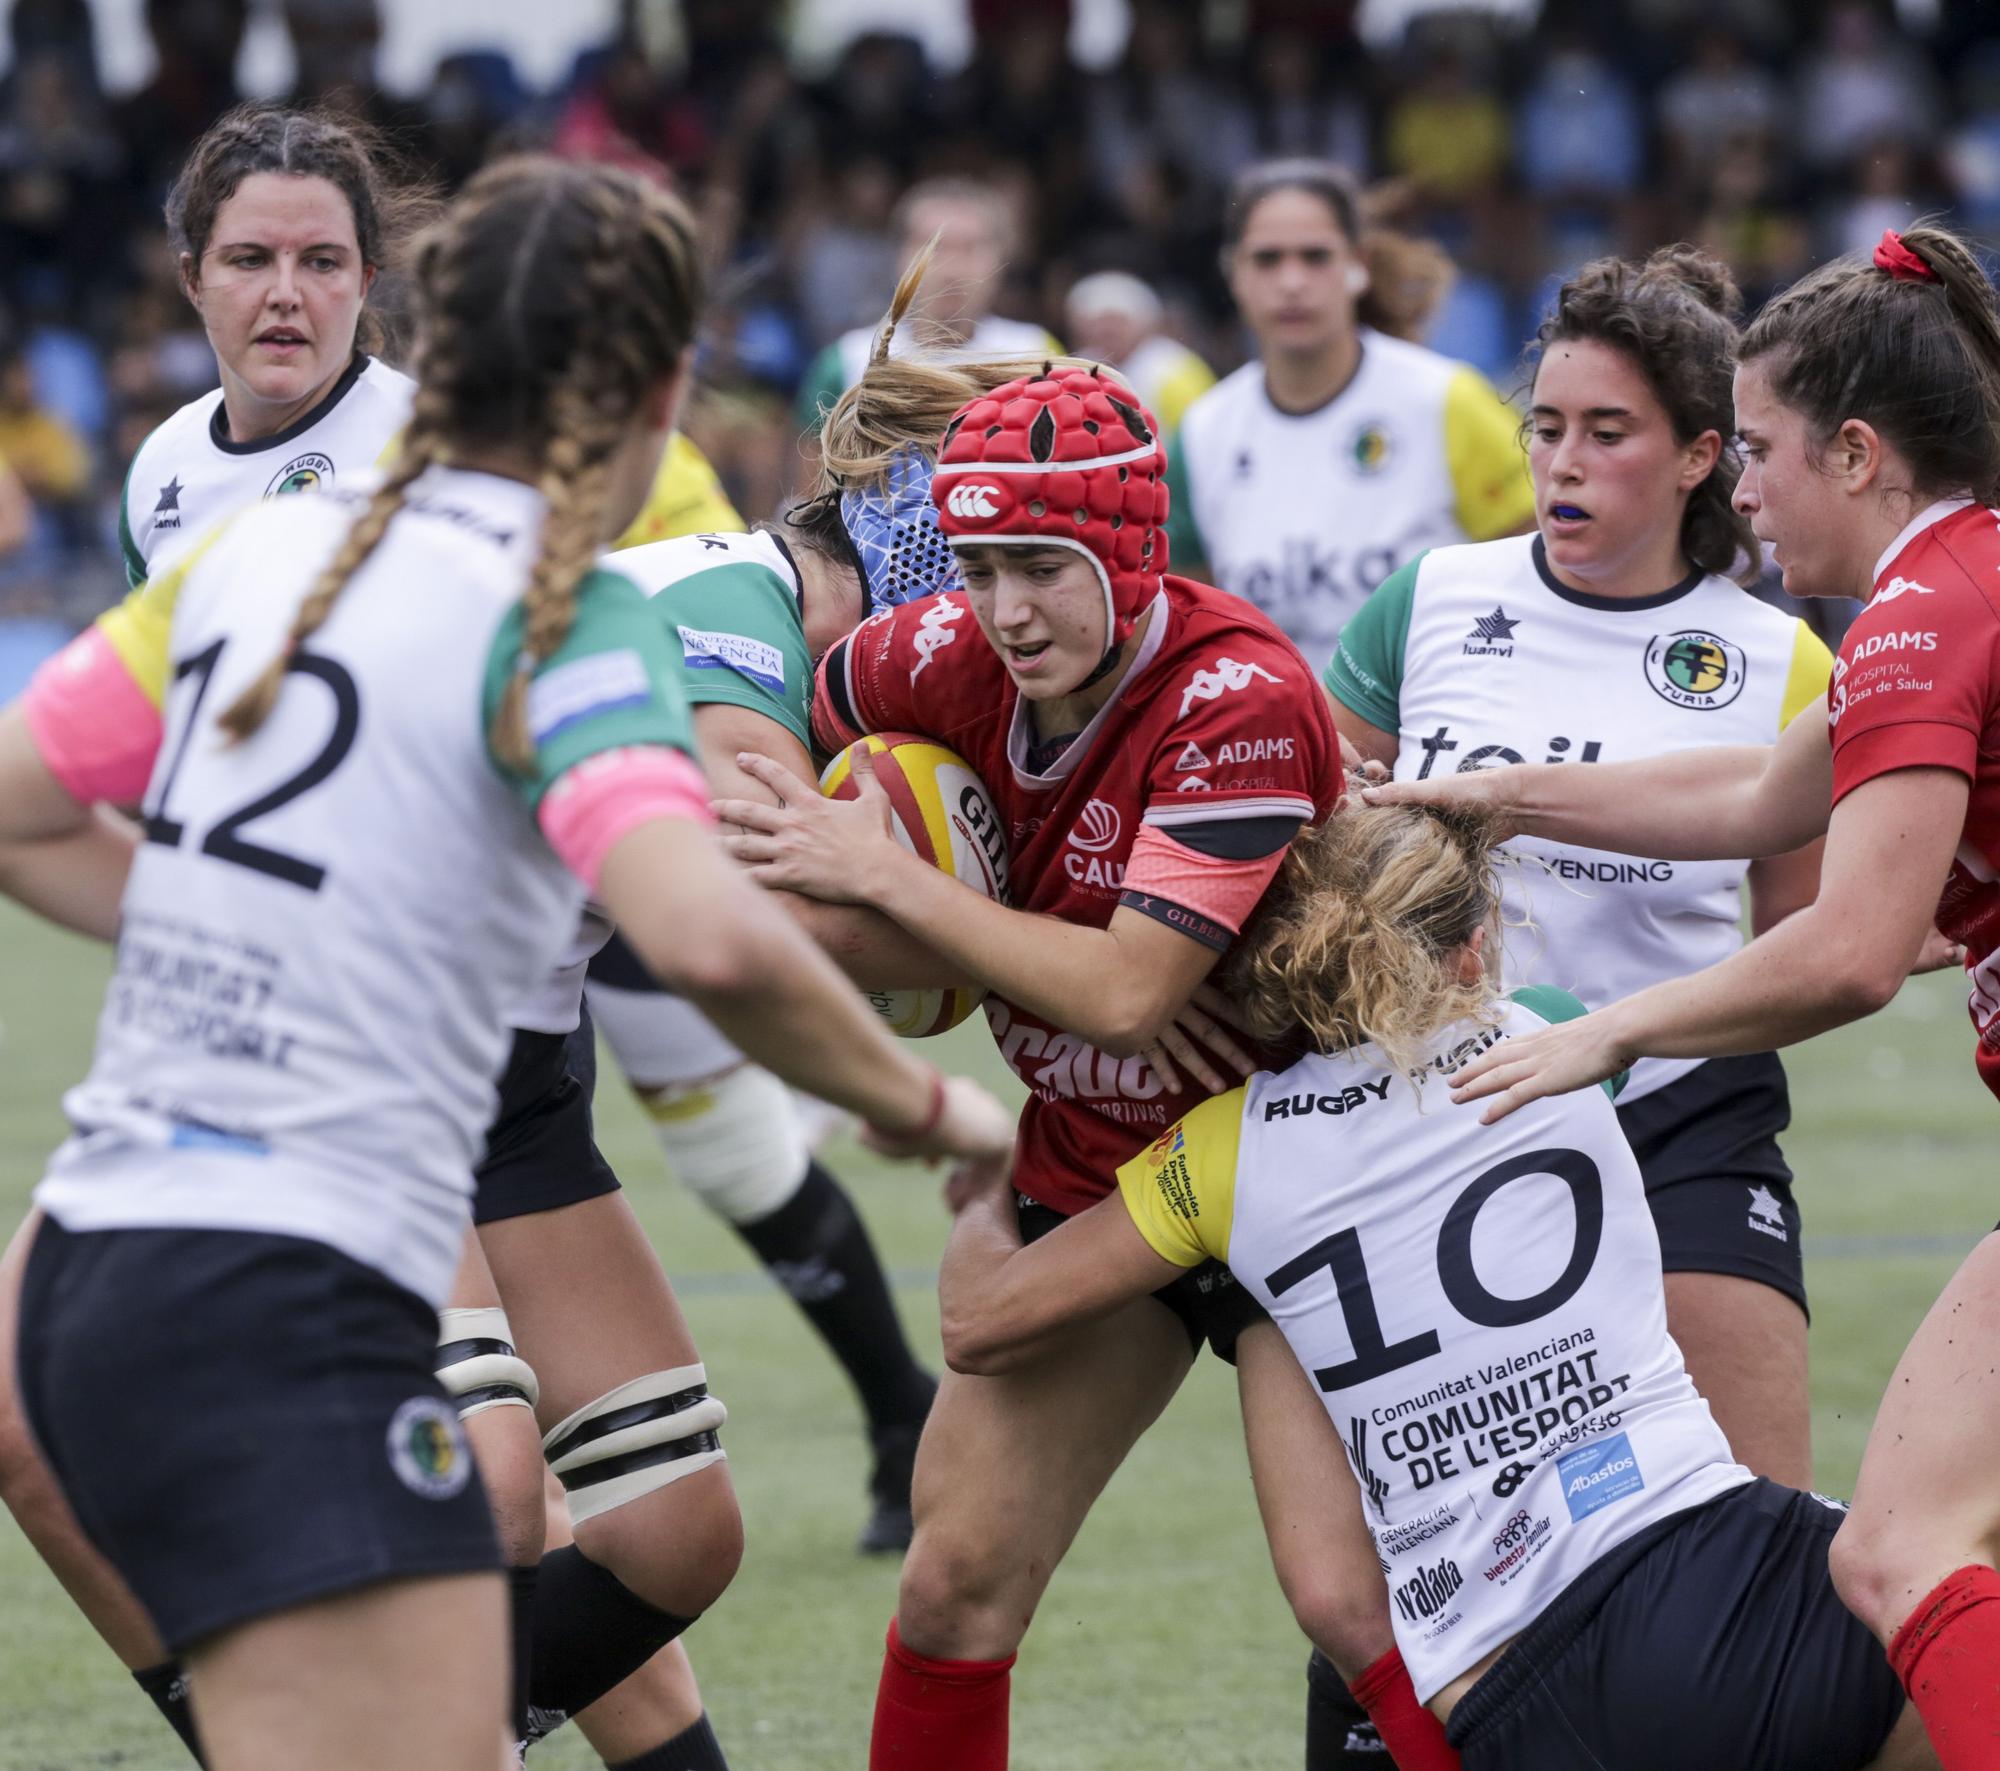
553,296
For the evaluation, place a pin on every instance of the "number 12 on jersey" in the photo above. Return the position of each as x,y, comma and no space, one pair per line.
224,839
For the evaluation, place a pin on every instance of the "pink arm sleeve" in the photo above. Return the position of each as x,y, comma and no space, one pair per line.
94,726
1221,888
608,795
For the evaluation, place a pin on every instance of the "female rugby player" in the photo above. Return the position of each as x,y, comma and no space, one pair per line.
285,221
748,616
1868,400
1485,653
524,452
1582,1574
1153,749
1342,450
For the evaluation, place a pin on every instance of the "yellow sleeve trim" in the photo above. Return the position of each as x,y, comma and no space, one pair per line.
687,499
140,629
1805,682
1181,1189
1489,469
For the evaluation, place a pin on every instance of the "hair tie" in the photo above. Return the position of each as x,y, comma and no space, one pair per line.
1903,265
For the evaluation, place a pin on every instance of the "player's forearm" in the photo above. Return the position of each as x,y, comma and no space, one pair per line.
875,952
1805,977
1690,805
76,882
1081,979
993,1316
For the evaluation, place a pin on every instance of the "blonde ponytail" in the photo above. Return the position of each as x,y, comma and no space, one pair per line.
1359,940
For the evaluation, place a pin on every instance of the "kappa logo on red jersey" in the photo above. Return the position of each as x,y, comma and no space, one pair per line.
1208,685
935,632
1097,829
1897,586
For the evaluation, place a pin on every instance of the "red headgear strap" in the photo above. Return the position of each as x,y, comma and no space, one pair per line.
1900,262
1065,459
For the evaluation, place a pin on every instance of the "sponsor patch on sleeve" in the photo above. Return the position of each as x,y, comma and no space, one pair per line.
584,688
760,662
1594,1476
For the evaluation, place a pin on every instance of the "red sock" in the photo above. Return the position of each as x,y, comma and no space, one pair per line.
939,1715
1948,1656
1414,1737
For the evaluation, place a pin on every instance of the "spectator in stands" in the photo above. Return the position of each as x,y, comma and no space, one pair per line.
1720,96
1862,83
1116,319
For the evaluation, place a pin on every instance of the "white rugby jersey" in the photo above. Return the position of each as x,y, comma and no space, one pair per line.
1304,514
1478,656
329,925
189,472
1482,1309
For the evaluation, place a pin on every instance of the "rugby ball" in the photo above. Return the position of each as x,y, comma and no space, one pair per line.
939,809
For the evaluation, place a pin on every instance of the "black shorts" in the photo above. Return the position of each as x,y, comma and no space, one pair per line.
1719,1186
1714,1638
244,1423
542,1151
1211,1306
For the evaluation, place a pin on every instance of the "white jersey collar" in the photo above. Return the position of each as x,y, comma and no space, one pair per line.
1930,514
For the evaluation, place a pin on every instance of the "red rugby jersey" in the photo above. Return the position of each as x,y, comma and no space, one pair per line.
1917,685
1216,748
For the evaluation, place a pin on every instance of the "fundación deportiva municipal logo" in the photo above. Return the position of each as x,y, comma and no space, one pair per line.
1694,668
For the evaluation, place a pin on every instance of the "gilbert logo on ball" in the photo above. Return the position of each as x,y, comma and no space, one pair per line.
939,809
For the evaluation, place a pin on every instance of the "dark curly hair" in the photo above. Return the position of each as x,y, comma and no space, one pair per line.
1674,318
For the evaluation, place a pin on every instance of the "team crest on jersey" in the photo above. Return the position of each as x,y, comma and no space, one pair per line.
300,475
1695,669
427,1449
1369,452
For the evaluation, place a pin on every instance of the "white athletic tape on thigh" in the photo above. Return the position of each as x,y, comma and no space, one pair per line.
478,1366
636,1438
735,1140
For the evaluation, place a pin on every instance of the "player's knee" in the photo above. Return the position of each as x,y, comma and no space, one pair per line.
1878,1571
495,1392
963,1596
734,1140
645,1477
1346,1619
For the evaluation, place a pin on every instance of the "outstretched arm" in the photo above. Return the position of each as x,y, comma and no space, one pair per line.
1889,848
1713,804
1002,1302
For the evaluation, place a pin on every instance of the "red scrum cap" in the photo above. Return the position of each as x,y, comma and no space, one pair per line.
1069,458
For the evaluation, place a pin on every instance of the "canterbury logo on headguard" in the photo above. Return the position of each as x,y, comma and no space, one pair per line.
971,500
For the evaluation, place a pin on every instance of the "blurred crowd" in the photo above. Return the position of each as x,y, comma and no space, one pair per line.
1778,132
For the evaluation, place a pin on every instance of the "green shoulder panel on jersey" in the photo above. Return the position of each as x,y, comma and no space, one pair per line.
1184,549
1181,1189
1365,673
825,382
1556,1006
610,684
735,636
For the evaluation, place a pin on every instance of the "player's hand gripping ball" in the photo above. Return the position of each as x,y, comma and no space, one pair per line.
939,810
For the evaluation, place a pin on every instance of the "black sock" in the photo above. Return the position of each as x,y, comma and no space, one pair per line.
1339,1735
166,1685
521,1585
693,1749
591,1632
818,1249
